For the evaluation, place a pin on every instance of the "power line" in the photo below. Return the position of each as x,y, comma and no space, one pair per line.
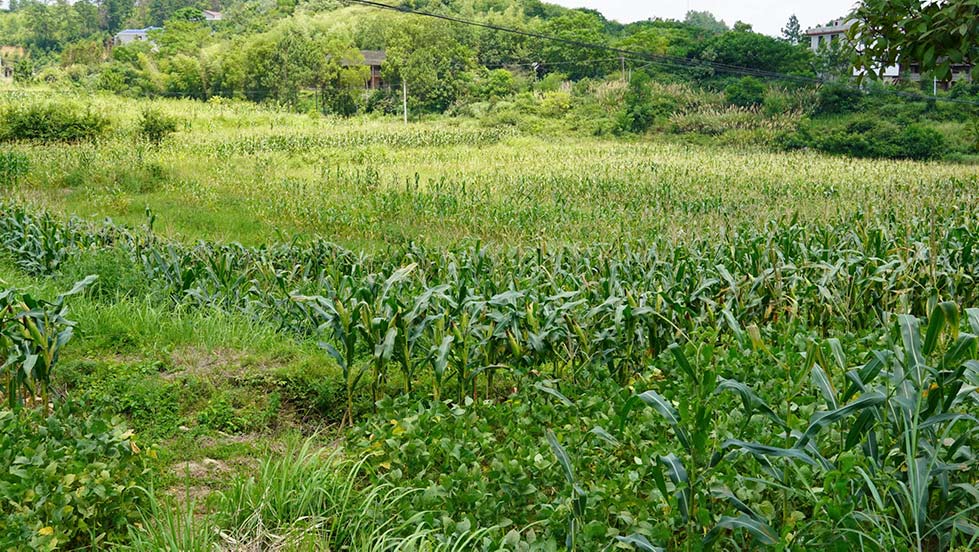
658,59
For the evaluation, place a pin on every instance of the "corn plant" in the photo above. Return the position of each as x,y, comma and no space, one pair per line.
33,333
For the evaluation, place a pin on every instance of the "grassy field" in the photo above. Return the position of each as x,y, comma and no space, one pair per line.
450,337
240,173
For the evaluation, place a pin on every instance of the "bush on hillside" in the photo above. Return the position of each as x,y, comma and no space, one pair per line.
837,99
71,480
155,126
51,122
921,142
747,92
869,137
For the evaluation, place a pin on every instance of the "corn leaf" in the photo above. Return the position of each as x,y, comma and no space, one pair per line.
822,419
759,529
639,542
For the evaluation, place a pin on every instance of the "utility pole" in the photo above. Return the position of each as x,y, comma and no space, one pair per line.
934,88
404,97
622,61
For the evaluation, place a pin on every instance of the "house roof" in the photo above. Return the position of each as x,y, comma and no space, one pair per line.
374,57
214,15
137,31
838,26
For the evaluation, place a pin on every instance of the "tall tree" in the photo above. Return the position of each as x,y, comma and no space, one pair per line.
576,61
706,21
792,31
114,14
934,34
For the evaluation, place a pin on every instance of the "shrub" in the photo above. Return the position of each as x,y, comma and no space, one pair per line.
920,142
837,98
51,122
72,479
639,112
155,126
870,137
746,92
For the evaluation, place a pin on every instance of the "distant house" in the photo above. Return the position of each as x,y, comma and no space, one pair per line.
375,60
212,15
9,55
133,35
838,30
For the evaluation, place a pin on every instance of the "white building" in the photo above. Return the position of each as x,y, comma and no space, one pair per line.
823,37
212,15
836,31
133,35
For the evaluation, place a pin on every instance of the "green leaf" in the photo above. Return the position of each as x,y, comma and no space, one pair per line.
836,348
678,475
751,401
973,314
913,349
759,529
764,450
823,419
944,315
562,457
821,381
80,286
663,406
554,393
600,432
639,542
865,421
682,362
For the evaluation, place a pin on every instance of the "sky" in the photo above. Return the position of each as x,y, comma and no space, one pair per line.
766,16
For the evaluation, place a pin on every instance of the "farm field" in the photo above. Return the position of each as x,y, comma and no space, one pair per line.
239,173
354,334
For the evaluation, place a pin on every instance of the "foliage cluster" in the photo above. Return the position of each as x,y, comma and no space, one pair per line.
71,479
51,122
872,137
